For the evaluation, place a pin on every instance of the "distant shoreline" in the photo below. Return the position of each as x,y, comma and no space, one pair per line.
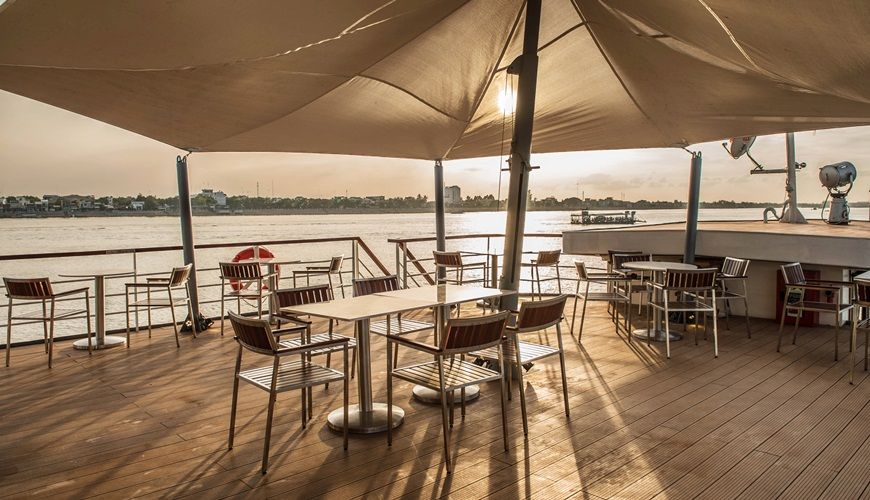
349,211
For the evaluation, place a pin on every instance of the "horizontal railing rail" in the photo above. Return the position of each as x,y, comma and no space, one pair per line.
363,263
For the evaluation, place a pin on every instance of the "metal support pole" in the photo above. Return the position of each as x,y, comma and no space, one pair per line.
791,214
692,209
526,66
440,232
186,214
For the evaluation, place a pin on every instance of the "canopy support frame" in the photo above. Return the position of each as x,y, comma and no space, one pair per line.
185,213
692,209
526,66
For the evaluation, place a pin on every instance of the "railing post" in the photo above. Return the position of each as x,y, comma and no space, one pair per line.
404,265
185,212
355,258
135,289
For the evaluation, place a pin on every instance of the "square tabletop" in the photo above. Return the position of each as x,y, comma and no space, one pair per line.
357,308
447,294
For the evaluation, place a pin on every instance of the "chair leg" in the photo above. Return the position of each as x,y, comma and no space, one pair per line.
797,321
781,327
836,335
341,283
746,311
503,388
715,329
174,322
235,400
51,336
45,326
389,393
304,397
9,332
445,425
149,311
583,317
866,347
667,330
126,314
268,431
450,401
522,386
222,313
329,281
564,377
574,315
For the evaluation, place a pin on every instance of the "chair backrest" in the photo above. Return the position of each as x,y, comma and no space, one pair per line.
862,293
449,259
28,288
690,279
379,284
548,257
241,270
471,334
179,275
734,267
620,259
793,274
253,334
582,275
539,314
288,297
335,264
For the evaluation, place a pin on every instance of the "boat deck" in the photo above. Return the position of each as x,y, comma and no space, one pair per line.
152,420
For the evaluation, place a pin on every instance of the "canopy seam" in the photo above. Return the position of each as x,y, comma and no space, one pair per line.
488,84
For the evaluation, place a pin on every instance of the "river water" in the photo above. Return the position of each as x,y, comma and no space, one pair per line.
28,236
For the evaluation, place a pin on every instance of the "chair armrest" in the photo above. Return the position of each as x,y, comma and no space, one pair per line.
311,347
70,292
146,285
291,329
155,278
419,346
821,288
830,282
293,319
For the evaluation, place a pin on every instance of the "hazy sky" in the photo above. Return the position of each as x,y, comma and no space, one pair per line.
44,149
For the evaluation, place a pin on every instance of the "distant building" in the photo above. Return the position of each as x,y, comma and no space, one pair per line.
219,197
452,195
376,198
137,205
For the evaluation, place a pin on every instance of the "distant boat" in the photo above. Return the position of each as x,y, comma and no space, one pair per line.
586,217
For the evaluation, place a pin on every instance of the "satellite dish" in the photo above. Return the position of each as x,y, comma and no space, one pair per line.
739,146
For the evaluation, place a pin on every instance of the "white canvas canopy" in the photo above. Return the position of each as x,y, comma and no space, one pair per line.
423,78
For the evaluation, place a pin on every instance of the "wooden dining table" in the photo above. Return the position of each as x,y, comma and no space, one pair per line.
368,416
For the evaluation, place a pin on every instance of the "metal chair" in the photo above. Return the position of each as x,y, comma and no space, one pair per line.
247,281
446,374
289,297
733,272
397,325
692,288
33,290
613,295
547,259
533,316
334,267
453,262
256,335
177,280
796,286
635,283
861,304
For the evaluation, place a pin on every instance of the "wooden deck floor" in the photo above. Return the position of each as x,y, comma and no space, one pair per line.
152,421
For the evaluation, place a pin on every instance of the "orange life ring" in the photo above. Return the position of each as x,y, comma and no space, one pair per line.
248,254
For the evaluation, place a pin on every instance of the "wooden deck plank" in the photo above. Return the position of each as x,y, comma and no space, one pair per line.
151,421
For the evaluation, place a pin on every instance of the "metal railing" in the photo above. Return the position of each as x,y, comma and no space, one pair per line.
143,262
414,270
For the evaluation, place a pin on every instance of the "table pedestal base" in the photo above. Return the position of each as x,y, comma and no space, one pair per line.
360,422
110,342
428,396
657,335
